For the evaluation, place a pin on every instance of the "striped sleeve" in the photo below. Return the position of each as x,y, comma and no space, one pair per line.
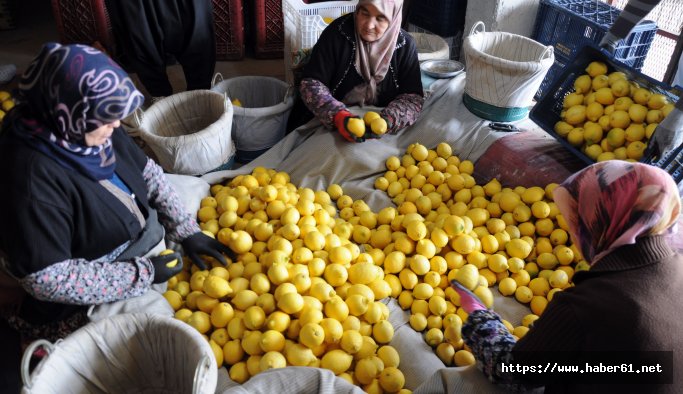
403,111
179,224
319,100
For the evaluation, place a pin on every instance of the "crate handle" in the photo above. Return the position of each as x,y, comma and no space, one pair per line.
476,27
547,53
215,77
26,359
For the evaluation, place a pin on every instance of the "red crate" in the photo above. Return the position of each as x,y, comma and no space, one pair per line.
229,29
270,36
82,22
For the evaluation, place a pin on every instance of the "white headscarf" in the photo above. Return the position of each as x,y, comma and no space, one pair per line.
373,58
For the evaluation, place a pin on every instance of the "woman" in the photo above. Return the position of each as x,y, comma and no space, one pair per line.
362,58
621,216
81,204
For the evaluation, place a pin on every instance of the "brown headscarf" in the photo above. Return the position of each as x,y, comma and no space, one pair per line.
373,58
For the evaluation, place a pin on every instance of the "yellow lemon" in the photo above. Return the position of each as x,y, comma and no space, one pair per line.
463,358
604,96
518,248
337,361
654,116
582,84
642,96
272,360
575,115
616,137
600,81
370,116
635,150
622,103
637,113
575,136
356,126
596,68
523,294
378,126
507,286
572,99
657,101
620,88
391,380
200,320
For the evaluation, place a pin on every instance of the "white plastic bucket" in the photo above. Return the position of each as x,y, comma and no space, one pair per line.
127,353
261,120
504,71
189,132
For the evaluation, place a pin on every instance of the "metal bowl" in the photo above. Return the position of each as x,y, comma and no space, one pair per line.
442,68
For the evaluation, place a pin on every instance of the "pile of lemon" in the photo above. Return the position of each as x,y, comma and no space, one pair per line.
610,117
301,292
313,266
447,227
6,103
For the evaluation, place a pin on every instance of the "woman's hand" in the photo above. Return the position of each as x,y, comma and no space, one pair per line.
350,126
200,243
162,271
468,300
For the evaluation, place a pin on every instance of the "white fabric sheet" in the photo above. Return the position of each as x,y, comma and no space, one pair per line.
316,157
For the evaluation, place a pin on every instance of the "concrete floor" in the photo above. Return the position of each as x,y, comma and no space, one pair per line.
35,25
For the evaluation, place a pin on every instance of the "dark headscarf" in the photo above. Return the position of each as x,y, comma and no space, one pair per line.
66,92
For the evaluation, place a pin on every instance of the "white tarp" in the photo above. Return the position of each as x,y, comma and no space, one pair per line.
316,157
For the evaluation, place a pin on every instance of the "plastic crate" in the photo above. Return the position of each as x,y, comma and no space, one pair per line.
303,24
270,38
569,25
547,111
83,22
228,23
441,17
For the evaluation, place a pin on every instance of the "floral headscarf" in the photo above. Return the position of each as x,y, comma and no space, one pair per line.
373,58
613,203
68,91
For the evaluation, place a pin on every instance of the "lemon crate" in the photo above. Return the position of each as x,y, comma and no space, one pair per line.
569,25
547,111
303,24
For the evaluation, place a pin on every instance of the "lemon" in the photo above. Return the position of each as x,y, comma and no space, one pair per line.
356,126
520,331
582,84
604,96
183,314
336,308
593,151
368,368
201,321
654,116
311,335
291,303
507,286
620,88
468,276
596,68
240,241
616,137
391,379
239,373
538,304
657,101
221,314
370,116
337,361
572,99
559,279
518,248
600,81
463,358
272,360
299,355
335,274
642,96
523,294
383,331
378,126
463,244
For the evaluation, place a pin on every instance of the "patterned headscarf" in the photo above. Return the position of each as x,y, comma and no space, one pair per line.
68,91
373,58
612,203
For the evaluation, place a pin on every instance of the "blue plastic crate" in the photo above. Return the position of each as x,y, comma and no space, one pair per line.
547,111
569,25
442,17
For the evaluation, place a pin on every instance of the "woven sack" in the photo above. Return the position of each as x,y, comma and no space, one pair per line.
261,120
127,353
430,47
189,132
504,71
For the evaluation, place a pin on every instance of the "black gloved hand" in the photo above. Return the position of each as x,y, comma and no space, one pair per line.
163,272
200,243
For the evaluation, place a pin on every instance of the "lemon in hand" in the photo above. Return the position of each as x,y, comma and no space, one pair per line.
369,117
356,126
378,126
171,263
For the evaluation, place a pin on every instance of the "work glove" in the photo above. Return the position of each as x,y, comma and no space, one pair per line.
162,272
376,124
200,243
350,126
468,300
668,135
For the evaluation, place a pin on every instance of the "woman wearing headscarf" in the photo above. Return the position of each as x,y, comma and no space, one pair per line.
622,217
81,204
364,58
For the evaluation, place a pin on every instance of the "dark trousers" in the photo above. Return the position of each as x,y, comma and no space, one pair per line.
148,31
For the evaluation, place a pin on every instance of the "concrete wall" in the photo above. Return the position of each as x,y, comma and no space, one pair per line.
512,16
